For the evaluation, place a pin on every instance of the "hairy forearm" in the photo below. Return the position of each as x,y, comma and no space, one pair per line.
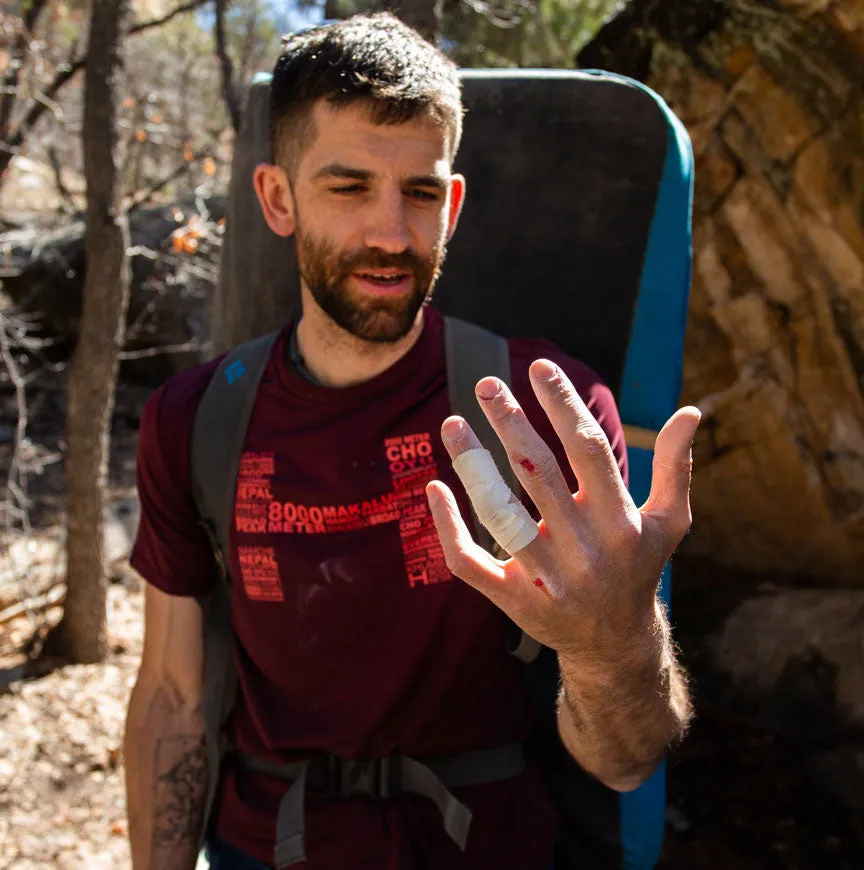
619,711
166,779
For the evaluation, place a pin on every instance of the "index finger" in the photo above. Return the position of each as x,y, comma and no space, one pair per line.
496,506
584,441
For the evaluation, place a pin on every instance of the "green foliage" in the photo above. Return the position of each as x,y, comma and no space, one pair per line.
509,33
535,33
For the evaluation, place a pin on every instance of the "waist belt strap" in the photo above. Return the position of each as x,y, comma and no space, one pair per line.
382,777
290,823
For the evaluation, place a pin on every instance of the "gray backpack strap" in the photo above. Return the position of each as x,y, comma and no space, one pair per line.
382,777
218,434
474,353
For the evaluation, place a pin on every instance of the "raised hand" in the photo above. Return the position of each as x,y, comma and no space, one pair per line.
588,578
583,580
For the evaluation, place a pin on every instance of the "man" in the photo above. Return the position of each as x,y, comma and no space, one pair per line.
344,643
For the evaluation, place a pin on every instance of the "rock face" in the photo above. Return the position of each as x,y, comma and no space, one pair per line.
771,95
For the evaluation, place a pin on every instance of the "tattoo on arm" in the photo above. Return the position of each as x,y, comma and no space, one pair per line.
181,782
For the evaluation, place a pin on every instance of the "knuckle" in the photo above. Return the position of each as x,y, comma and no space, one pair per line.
628,537
682,522
677,523
590,441
679,465
507,412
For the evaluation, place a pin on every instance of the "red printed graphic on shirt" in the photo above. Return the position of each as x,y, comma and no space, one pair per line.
412,465
253,492
260,573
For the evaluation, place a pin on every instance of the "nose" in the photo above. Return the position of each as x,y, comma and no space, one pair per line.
387,227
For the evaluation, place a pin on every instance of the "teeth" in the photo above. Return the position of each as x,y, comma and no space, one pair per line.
384,279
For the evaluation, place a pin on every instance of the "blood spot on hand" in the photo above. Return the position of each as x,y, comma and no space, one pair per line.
527,464
539,583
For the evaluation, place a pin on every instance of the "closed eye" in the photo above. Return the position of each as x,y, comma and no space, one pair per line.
348,188
425,195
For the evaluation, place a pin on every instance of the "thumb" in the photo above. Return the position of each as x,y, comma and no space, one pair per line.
669,500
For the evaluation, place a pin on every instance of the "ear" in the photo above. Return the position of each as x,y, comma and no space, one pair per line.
457,198
275,198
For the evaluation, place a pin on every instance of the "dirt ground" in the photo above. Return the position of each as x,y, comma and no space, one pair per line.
61,783
739,797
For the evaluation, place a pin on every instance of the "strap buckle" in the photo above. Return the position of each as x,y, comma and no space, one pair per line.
375,777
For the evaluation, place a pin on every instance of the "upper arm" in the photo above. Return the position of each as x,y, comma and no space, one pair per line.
171,549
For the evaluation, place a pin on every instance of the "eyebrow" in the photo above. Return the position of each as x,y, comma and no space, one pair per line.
436,181
339,170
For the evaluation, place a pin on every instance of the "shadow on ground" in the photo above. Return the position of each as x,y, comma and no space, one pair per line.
762,783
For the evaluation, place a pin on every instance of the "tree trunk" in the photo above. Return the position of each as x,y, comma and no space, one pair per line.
229,93
771,95
93,372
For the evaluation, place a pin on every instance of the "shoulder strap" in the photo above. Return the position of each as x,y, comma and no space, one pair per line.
218,434
474,353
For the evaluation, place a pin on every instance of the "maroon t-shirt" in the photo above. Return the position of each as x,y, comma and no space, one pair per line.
352,637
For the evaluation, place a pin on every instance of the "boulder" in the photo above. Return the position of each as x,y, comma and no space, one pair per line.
799,654
770,93
779,666
42,272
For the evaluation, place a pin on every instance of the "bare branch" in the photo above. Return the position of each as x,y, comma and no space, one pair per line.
32,15
30,606
17,501
163,349
502,17
188,264
16,63
182,9
38,108
45,101
57,169
143,196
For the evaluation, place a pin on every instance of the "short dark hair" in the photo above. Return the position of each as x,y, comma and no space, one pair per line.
375,59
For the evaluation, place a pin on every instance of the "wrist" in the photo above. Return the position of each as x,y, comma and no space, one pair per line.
627,659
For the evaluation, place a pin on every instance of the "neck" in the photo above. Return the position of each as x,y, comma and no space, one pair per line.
335,358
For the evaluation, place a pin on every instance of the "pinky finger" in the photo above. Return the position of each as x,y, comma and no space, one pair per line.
466,559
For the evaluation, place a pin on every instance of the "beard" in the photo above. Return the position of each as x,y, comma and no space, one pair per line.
326,272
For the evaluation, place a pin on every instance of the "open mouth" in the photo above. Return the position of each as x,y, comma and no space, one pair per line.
384,282
384,279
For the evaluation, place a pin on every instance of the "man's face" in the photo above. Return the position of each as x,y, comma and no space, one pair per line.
373,206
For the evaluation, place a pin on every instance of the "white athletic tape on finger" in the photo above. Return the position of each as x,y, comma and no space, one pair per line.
495,505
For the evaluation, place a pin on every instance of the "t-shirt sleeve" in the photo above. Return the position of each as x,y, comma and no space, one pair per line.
171,551
596,395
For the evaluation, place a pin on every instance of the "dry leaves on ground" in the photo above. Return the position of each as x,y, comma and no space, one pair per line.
62,801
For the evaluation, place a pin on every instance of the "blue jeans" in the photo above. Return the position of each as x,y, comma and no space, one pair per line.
225,857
